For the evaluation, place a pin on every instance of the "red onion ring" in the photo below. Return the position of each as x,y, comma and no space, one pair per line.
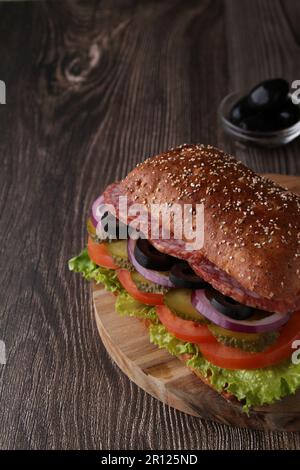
153,276
270,323
94,215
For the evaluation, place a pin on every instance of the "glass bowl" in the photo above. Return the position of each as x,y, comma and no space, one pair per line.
265,139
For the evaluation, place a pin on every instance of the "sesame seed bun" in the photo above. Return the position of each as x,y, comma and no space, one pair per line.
252,225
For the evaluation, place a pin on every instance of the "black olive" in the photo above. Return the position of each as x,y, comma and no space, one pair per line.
270,94
182,275
268,121
229,306
288,115
262,122
113,228
239,111
149,257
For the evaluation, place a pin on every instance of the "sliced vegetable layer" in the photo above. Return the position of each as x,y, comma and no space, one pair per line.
184,329
269,322
252,386
233,358
129,285
98,252
161,278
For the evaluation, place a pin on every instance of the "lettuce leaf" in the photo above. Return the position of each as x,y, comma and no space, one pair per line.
165,340
252,387
90,271
127,306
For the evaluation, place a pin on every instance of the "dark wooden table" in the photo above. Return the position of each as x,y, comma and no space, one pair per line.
93,88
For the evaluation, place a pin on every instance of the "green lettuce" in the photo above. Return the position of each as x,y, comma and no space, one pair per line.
165,340
251,387
127,306
90,271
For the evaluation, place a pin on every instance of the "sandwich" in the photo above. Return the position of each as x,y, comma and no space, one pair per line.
224,295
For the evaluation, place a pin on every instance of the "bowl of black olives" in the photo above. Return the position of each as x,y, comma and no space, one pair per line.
265,116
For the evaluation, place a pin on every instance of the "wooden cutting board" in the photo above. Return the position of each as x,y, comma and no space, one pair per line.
170,381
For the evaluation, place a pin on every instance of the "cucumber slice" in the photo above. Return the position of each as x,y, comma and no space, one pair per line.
138,278
90,228
218,330
145,285
179,301
118,249
252,342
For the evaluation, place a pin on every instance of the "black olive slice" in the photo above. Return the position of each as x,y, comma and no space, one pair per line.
182,275
149,257
229,306
113,228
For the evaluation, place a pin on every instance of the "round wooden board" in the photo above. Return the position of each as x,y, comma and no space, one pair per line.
169,380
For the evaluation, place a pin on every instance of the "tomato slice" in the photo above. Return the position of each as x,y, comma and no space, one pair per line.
186,330
233,358
146,298
98,253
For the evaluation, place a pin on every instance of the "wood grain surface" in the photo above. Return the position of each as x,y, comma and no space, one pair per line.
92,88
